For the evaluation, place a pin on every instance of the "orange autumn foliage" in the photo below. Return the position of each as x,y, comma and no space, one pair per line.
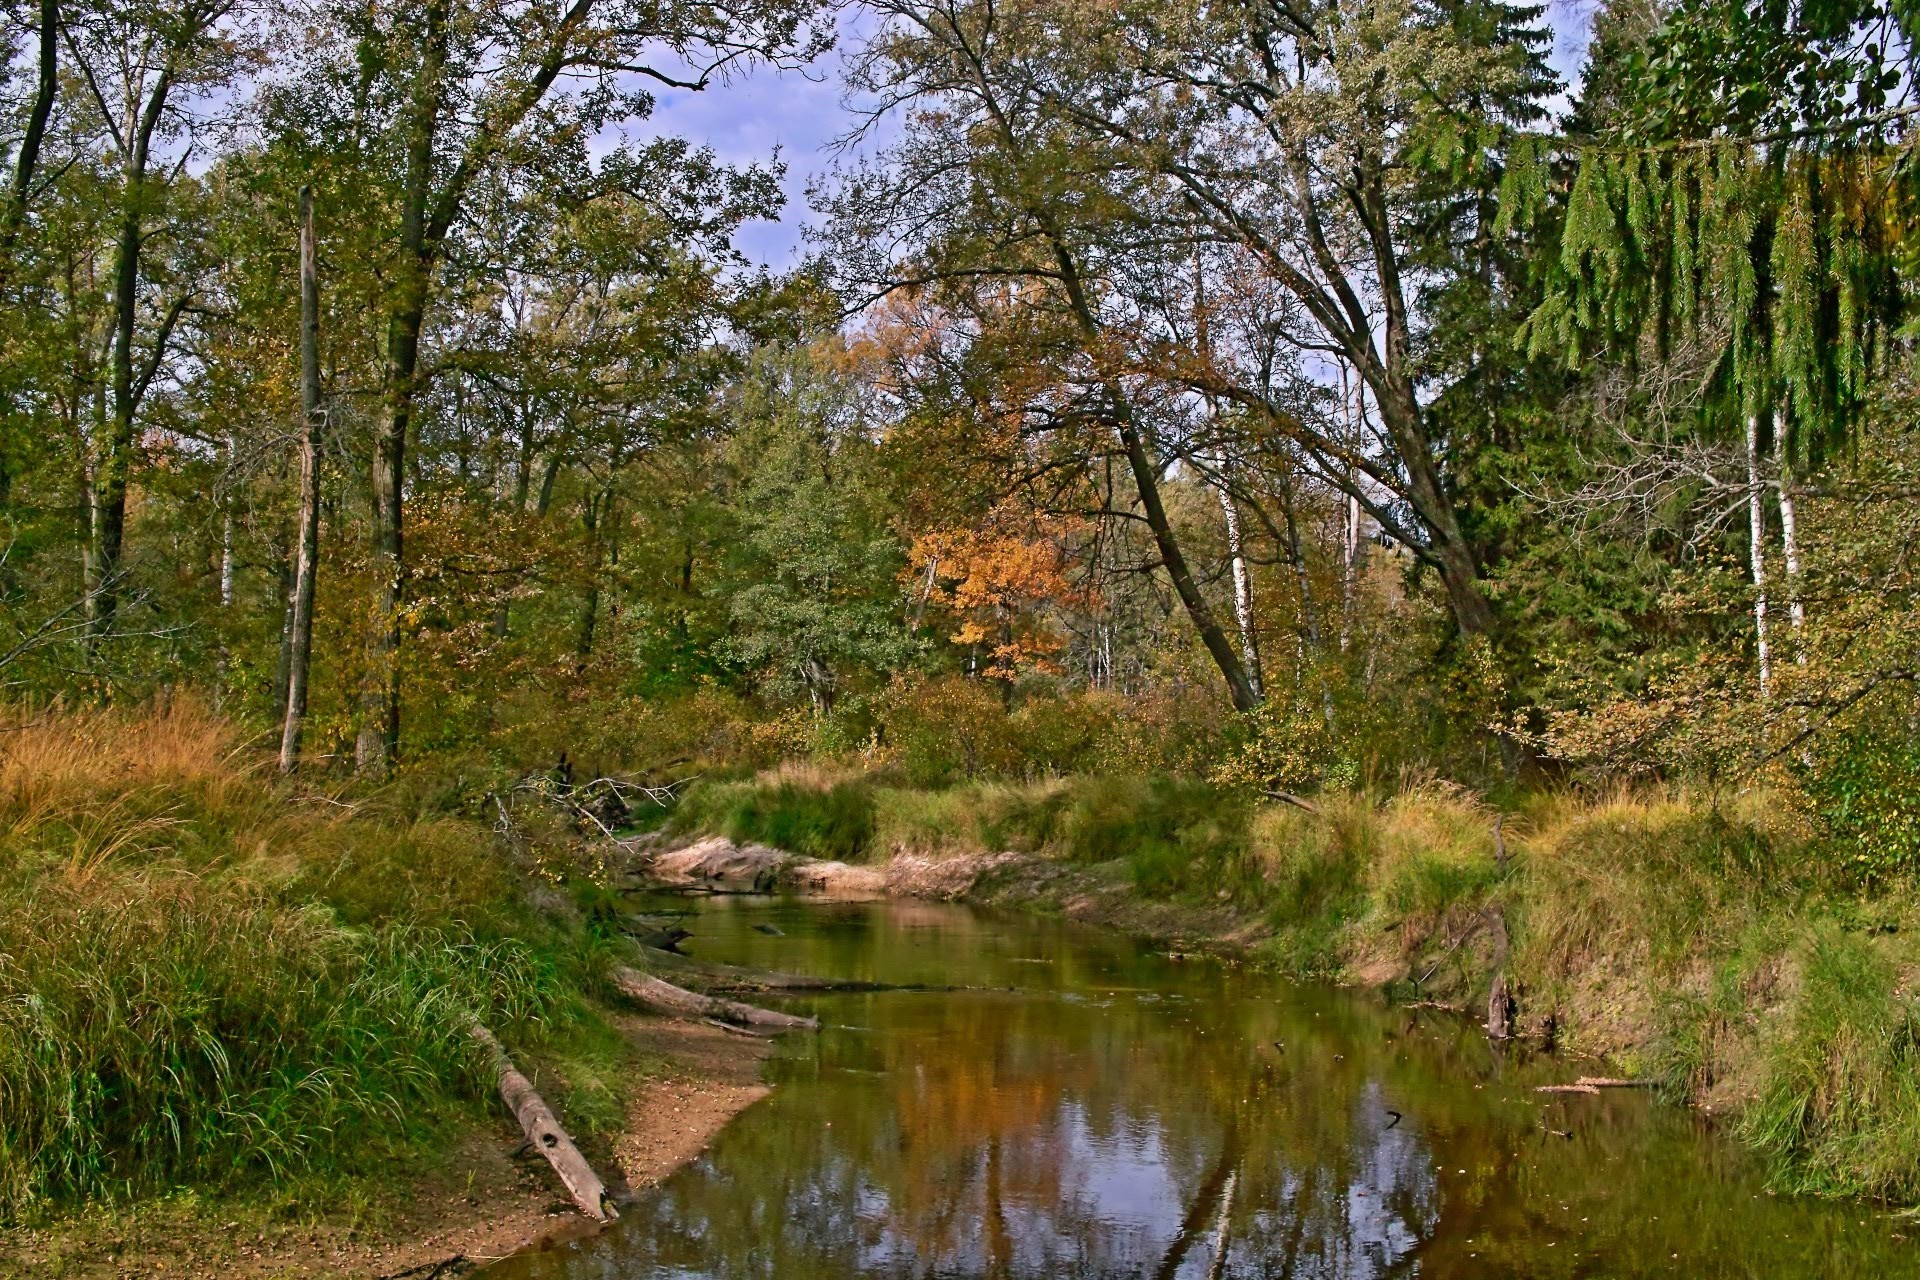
1000,585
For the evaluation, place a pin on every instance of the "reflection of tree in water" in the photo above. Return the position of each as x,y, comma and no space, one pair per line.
1121,1116
993,1135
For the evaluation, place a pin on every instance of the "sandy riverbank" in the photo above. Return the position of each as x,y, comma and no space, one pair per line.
483,1202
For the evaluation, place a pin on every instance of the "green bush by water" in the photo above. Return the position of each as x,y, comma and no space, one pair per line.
819,822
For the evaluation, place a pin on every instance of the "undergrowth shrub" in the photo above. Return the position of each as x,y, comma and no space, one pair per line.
835,821
1839,1103
1865,785
1176,836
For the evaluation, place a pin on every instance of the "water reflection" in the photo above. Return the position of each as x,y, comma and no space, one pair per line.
1119,1115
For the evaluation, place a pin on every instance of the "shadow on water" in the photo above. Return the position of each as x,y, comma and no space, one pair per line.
1085,1108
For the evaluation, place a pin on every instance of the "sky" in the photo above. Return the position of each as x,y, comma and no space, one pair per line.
800,113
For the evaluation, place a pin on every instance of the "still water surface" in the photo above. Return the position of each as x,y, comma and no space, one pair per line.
1088,1108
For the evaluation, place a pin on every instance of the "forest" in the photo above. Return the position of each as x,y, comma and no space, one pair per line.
1307,461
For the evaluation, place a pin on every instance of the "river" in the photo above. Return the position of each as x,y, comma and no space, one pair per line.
1084,1107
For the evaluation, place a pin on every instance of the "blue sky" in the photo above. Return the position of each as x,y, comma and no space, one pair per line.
801,113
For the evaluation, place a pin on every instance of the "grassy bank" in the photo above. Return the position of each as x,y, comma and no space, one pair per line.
215,982
1701,939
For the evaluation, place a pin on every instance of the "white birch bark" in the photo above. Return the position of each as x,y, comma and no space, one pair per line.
1757,553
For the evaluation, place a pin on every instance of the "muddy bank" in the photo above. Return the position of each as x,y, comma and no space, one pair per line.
484,1201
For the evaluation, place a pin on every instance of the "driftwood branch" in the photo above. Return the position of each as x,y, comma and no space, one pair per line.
543,1131
663,997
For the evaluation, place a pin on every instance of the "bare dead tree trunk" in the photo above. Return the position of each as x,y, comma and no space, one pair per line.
543,1131
1790,541
663,997
1242,592
1757,553
307,540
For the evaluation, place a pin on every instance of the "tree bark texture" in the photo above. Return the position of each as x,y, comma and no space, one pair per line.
307,539
663,997
543,1130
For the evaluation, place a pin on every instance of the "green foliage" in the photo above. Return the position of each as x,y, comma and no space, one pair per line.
1288,748
817,604
1865,785
1839,1103
835,821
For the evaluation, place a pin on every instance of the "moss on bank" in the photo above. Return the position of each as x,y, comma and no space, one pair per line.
1701,939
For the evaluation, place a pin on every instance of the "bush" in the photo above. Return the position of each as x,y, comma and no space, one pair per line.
1866,788
1839,1108
948,729
834,821
1177,836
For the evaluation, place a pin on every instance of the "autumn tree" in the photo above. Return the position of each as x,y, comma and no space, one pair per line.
435,101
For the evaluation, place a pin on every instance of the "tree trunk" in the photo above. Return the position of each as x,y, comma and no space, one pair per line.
113,455
1790,542
306,562
378,742
27,159
1395,394
1499,998
1350,528
1242,593
222,658
1146,479
1757,554
543,1131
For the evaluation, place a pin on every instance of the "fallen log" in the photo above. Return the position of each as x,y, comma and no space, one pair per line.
715,977
543,1130
664,997
1565,1088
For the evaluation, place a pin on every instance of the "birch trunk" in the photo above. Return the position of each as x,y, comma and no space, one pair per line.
1757,554
1242,594
1790,543
307,540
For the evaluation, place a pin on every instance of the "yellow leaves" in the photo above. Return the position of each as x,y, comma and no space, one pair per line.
1001,584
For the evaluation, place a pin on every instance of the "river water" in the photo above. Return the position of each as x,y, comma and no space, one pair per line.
1084,1107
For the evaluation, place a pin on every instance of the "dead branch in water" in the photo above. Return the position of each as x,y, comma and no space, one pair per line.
663,997
543,1130
715,978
